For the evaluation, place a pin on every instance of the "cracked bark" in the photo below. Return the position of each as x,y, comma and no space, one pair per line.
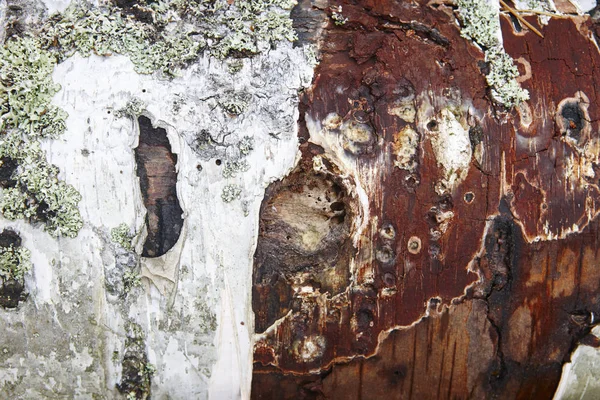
502,283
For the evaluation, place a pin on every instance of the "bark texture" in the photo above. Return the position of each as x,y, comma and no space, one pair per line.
473,265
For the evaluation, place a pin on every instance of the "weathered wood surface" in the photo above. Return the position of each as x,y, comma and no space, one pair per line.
158,178
450,279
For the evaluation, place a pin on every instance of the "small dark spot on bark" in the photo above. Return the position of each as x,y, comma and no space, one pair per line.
43,212
364,318
484,67
475,135
389,279
11,293
445,203
385,255
574,119
337,206
8,238
469,197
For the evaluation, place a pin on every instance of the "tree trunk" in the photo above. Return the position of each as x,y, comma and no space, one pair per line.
405,218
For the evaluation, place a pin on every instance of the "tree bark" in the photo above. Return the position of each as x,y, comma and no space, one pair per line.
375,225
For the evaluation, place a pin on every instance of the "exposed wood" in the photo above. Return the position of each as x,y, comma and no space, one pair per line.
478,286
158,178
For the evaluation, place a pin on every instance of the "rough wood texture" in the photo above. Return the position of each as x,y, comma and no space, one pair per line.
466,279
158,177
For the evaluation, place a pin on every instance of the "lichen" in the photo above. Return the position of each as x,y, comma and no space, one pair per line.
122,236
235,103
170,36
86,29
502,78
235,66
480,23
131,280
15,260
232,168
134,108
137,372
26,89
337,17
246,145
230,193
35,193
249,27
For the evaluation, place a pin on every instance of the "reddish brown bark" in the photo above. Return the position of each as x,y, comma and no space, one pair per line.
492,298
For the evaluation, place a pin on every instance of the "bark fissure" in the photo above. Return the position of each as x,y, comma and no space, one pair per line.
156,168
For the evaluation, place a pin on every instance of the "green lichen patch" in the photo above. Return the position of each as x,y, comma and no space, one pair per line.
171,34
244,28
232,168
131,280
122,236
15,261
106,31
14,258
134,108
235,103
246,145
337,16
480,23
230,193
26,89
34,191
502,78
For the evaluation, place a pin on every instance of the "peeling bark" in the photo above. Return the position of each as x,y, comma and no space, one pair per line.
471,279
158,177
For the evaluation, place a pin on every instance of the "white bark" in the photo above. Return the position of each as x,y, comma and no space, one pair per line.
61,341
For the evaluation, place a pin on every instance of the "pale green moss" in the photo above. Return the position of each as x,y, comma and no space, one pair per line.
122,236
480,23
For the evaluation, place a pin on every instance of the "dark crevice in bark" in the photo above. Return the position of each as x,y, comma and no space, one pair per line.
158,178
